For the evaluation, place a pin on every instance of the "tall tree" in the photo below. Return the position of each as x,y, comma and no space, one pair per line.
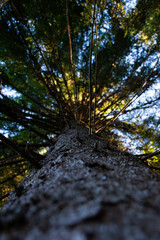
50,54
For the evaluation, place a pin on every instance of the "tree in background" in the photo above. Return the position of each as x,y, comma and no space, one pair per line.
76,62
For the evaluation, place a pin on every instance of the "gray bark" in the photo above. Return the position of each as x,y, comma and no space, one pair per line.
85,190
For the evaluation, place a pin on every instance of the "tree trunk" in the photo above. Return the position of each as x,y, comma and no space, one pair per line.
85,190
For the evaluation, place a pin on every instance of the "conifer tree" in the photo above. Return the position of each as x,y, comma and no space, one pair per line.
75,62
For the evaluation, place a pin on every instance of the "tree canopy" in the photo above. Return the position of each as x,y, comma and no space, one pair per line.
94,63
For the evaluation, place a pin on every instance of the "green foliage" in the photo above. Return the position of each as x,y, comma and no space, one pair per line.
154,163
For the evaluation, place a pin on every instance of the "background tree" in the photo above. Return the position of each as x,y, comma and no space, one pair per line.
83,62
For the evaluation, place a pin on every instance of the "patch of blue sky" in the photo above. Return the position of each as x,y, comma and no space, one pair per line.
43,68
138,116
130,4
9,92
4,132
152,93
129,142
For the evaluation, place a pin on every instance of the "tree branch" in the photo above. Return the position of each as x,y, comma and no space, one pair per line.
72,67
148,155
90,72
29,155
44,60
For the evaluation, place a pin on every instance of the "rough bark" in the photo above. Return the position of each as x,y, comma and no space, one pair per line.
85,190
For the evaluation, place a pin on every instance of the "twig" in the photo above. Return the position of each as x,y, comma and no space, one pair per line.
72,67
148,155
4,196
95,80
90,73
13,176
11,163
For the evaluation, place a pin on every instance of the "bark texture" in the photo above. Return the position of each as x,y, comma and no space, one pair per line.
85,190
